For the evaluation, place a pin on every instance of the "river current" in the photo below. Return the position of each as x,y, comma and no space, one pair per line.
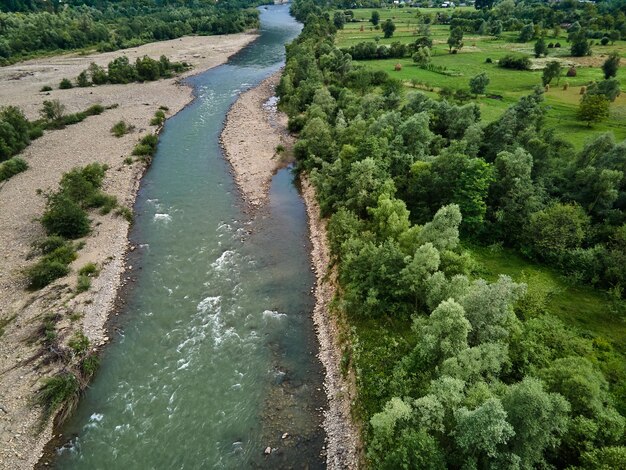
213,358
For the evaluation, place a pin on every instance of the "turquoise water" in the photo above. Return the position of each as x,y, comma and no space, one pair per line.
215,355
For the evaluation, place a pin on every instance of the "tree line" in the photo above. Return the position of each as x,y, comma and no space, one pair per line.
486,377
38,27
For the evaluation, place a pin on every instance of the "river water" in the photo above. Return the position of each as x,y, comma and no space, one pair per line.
215,354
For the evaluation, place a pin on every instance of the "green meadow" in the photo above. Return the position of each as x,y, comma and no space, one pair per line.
506,86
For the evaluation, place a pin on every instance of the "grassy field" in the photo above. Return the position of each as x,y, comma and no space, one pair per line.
509,85
591,311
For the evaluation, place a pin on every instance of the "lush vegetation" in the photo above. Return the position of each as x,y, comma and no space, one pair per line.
30,27
485,43
66,218
453,370
120,70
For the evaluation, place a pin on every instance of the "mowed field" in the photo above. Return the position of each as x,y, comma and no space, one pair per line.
507,85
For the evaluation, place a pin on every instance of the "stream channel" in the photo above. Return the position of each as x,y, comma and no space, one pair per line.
214,355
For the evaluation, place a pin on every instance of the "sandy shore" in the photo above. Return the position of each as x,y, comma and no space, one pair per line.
21,436
254,161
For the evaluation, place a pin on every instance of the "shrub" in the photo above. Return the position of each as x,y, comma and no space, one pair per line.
488,60
126,213
514,62
12,167
604,41
46,88
558,44
44,272
146,146
59,392
79,343
51,243
89,365
65,217
90,269
121,128
65,84
83,284
83,80
158,119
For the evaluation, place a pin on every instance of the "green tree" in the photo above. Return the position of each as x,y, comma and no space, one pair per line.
421,57
593,108
557,228
388,28
478,84
339,19
539,420
551,71
443,230
609,88
541,48
443,334
580,46
65,217
527,32
455,40
480,432
375,18
611,65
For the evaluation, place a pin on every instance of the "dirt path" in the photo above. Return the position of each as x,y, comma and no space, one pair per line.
21,436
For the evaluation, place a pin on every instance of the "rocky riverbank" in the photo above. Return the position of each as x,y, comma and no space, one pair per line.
252,132
22,313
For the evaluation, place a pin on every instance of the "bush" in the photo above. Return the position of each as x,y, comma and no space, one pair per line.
90,269
121,128
44,272
46,88
59,392
146,146
12,167
126,213
514,62
557,45
65,84
65,217
89,365
79,343
604,41
488,60
83,80
158,119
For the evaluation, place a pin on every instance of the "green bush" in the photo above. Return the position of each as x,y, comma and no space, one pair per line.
146,146
90,269
89,365
514,62
65,84
65,217
12,167
44,272
126,213
79,343
45,88
158,119
83,284
59,392
121,128
83,80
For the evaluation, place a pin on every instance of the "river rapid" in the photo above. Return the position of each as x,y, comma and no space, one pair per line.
213,358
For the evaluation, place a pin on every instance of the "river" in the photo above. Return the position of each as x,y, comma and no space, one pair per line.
214,355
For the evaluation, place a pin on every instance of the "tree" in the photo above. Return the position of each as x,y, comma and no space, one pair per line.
478,84
52,110
527,32
551,71
483,4
539,420
614,35
580,46
455,40
339,19
541,48
443,230
388,28
610,89
611,65
422,56
593,108
558,228
482,431
375,18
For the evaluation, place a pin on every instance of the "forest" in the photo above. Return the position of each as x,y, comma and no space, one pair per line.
31,27
454,370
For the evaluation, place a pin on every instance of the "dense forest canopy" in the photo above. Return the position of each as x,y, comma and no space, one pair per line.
454,371
31,27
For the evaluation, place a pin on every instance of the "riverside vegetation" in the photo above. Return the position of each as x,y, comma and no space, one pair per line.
34,27
422,196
